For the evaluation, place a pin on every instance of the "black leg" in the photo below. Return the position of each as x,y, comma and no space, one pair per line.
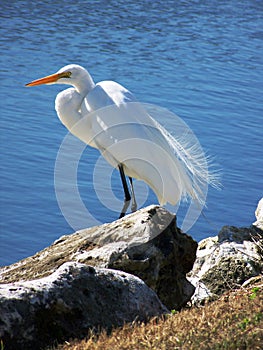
134,204
127,196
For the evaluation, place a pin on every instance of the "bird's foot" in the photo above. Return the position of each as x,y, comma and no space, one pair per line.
134,207
124,208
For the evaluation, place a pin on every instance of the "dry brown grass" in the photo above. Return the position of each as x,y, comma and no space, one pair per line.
233,322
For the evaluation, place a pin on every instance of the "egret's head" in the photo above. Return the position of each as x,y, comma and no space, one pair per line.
71,74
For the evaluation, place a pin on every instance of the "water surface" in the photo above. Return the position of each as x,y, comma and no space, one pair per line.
200,59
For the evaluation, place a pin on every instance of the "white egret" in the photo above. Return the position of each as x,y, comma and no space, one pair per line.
107,116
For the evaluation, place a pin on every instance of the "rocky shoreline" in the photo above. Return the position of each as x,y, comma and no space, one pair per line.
131,269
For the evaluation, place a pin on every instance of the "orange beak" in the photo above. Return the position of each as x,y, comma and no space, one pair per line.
46,80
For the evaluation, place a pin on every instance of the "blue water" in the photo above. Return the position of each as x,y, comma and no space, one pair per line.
201,59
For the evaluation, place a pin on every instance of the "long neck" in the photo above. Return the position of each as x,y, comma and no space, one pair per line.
67,105
84,85
68,102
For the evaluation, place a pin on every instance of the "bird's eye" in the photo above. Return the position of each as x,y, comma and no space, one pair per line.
68,74
65,74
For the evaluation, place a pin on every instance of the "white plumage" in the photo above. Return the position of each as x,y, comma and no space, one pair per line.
108,117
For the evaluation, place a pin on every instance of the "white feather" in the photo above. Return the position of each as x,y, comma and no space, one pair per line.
108,117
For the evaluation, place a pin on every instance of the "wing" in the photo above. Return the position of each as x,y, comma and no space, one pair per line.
104,94
92,125
124,132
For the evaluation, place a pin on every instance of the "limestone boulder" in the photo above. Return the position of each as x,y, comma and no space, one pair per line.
259,215
226,261
69,302
147,244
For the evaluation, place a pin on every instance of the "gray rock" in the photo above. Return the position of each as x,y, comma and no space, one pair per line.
226,261
75,298
147,244
238,234
259,215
